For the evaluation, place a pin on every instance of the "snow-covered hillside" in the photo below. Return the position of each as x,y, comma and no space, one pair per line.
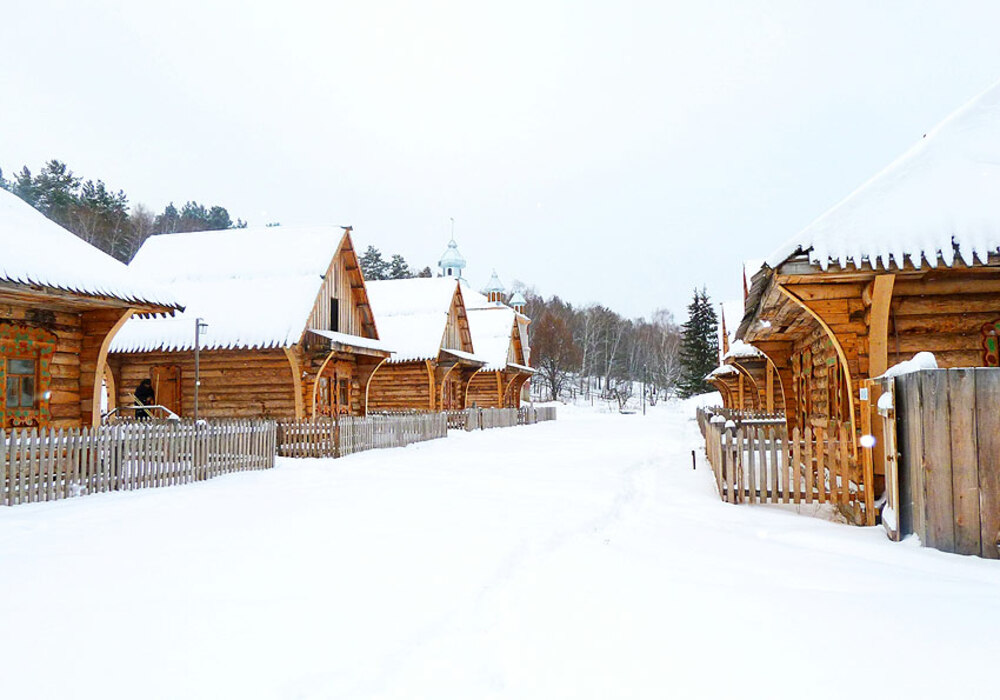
582,558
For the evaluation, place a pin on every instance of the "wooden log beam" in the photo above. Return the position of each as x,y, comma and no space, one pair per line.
878,330
293,362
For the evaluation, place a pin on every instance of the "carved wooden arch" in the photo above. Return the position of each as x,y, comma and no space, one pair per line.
727,400
444,382
516,385
368,384
756,389
777,375
315,387
795,299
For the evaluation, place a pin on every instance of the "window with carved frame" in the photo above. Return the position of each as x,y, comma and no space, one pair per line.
25,375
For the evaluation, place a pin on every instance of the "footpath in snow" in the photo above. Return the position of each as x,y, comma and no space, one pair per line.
581,558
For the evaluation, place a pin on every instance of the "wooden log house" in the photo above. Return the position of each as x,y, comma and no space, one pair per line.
755,384
426,323
289,333
500,336
61,303
909,262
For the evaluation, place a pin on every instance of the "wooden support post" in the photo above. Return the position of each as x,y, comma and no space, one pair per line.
293,361
878,326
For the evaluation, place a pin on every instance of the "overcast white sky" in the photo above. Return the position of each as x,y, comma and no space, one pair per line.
618,152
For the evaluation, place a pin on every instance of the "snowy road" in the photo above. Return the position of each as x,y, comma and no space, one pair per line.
576,559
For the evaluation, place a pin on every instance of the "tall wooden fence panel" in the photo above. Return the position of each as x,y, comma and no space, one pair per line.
948,430
44,465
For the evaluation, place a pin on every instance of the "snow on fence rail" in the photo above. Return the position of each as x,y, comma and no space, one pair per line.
49,464
756,463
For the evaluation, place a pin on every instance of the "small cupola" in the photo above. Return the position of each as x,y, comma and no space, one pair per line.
517,302
451,263
494,289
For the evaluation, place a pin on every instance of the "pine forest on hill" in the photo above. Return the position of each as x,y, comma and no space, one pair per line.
587,350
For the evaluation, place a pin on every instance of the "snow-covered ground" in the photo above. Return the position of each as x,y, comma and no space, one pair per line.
576,559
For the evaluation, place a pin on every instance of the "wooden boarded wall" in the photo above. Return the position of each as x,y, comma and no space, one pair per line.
234,383
948,431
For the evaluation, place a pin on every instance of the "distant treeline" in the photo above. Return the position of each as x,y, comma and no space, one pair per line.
594,350
375,267
103,217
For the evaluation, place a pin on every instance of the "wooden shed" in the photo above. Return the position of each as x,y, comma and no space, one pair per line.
61,303
425,322
289,333
500,336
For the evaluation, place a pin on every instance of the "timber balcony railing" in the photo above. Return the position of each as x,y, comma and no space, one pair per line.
756,460
49,464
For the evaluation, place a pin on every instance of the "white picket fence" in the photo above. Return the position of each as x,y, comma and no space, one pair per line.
50,464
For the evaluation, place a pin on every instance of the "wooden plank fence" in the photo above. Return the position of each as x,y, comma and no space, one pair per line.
45,465
327,437
948,476
755,463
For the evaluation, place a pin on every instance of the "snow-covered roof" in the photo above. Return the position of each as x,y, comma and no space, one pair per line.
739,349
491,329
412,314
936,203
352,341
38,251
517,299
721,370
255,288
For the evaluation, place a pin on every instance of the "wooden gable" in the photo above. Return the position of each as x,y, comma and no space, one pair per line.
342,302
457,335
516,352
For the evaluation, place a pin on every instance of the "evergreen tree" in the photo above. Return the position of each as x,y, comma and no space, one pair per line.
373,265
699,353
399,269
169,221
426,272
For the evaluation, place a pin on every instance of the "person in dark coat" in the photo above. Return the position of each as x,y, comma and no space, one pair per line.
145,395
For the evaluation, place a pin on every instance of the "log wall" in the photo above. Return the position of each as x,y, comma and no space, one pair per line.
234,383
403,386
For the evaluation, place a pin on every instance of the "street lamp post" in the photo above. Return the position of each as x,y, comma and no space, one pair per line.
199,327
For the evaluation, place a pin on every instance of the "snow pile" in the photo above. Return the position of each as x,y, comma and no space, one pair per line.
920,361
739,349
937,203
37,251
412,315
582,558
254,287
722,370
